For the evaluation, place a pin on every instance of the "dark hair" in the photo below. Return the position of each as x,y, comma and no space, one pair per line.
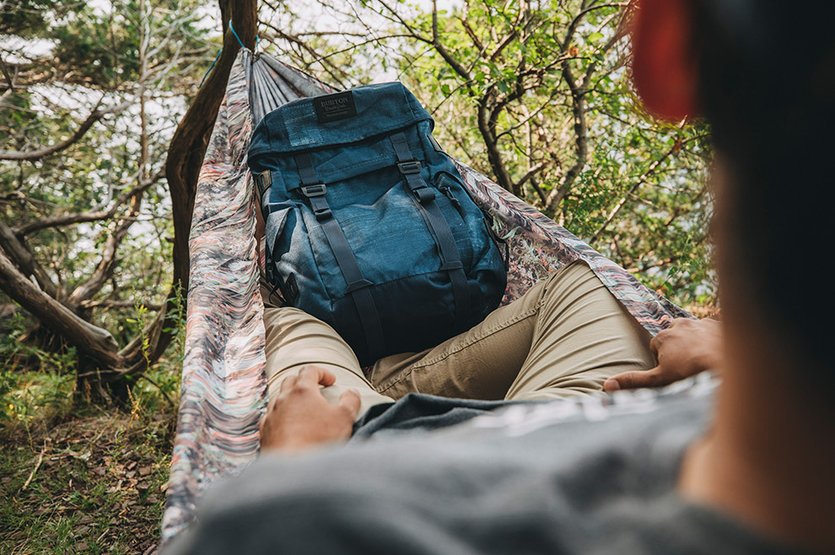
767,87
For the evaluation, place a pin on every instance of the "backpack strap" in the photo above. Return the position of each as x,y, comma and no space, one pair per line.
316,193
410,168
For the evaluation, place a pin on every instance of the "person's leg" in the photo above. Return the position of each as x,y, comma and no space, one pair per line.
507,356
582,336
478,364
295,339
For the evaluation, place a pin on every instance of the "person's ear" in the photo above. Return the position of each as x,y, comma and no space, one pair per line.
663,67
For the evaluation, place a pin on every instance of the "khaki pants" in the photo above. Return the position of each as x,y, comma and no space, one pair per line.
563,338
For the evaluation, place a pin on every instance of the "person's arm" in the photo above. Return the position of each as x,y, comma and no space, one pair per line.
684,349
300,417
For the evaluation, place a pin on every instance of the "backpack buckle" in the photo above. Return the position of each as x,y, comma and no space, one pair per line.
317,190
322,212
407,168
424,194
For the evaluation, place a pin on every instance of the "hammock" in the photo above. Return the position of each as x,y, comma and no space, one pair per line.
224,385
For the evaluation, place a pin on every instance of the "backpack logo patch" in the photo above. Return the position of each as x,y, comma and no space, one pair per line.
334,107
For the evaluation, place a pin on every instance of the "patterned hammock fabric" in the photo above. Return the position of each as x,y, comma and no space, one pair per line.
224,385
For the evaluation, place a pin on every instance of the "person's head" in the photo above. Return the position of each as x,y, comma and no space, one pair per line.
762,73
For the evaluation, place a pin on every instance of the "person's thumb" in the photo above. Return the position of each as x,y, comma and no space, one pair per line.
350,399
635,379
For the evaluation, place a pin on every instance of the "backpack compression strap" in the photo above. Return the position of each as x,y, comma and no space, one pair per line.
439,227
316,193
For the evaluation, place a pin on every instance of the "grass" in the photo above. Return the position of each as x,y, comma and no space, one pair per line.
81,480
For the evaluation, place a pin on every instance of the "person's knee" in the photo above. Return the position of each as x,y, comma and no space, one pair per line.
572,282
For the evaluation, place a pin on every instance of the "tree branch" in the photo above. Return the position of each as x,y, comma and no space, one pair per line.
107,263
182,169
336,73
530,116
24,260
405,24
532,171
488,133
33,155
677,146
572,27
436,42
538,190
520,20
468,29
7,75
581,146
111,303
84,217
90,340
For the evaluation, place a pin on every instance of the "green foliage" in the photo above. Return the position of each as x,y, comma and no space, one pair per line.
92,483
159,385
37,384
34,383
28,396
546,87
30,18
103,50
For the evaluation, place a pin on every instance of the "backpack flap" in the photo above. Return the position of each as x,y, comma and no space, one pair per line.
308,123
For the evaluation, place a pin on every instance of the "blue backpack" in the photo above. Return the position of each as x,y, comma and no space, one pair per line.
368,225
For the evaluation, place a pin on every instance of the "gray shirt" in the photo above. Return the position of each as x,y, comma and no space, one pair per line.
596,476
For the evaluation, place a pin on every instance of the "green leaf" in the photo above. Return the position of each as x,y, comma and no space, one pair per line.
594,37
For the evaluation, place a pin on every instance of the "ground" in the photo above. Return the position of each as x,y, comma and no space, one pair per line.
84,479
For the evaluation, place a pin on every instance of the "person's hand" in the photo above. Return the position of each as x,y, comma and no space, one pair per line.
684,349
301,418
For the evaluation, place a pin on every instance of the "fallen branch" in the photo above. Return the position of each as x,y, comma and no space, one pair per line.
22,256
35,470
90,340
